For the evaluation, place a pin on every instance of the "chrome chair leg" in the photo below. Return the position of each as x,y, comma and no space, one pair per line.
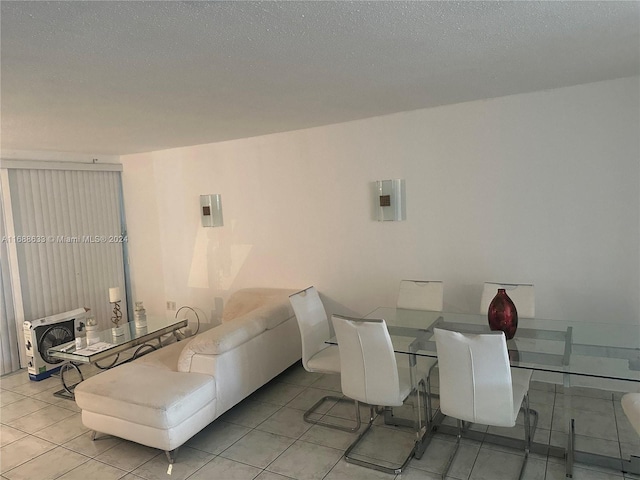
356,461
455,450
529,431
307,415
429,406
422,389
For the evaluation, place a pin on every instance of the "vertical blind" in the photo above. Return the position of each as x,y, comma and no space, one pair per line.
9,346
68,227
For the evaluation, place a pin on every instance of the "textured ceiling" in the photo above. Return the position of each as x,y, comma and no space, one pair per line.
124,77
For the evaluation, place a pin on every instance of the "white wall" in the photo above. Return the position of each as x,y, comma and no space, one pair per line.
540,187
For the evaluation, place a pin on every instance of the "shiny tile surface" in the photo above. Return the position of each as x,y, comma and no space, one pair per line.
265,438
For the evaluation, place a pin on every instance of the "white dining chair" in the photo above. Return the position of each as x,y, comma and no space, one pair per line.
420,295
631,407
477,385
522,295
370,375
318,356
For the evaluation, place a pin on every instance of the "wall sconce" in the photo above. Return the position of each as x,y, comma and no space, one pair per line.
211,210
390,202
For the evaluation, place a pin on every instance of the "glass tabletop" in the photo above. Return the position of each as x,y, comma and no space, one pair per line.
609,351
107,344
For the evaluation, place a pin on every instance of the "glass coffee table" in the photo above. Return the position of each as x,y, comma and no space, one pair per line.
106,345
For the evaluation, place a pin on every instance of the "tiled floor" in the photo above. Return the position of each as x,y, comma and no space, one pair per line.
264,438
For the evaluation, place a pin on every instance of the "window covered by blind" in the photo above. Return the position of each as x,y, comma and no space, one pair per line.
9,340
68,227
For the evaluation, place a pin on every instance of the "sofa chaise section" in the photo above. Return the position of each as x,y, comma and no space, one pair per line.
164,398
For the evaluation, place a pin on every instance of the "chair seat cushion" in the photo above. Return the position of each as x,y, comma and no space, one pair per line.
146,395
631,407
326,360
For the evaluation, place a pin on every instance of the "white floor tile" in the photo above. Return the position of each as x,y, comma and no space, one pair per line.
265,438
265,475
9,435
437,454
556,471
249,413
277,393
188,461
329,437
297,375
328,382
343,471
128,455
41,419
306,461
32,388
7,397
64,430
22,451
308,397
221,468
498,465
257,448
19,409
47,466
287,422
94,470
217,437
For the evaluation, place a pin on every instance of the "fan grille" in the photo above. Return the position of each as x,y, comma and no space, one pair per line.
52,337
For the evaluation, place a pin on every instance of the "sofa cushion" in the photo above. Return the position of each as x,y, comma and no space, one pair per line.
274,308
146,395
226,336
248,299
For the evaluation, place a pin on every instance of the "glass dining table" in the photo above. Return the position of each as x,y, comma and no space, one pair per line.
599,355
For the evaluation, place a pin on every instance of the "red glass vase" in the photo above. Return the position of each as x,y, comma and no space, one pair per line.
502,314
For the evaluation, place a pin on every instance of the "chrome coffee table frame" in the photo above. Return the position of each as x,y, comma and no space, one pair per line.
156,328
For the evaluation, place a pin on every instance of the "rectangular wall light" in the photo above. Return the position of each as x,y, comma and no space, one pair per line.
211,210
390,202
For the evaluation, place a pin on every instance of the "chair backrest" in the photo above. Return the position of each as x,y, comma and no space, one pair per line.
420,295
368,368
522,295
475,377
312,321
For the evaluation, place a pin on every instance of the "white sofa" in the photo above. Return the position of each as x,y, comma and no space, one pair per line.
164,398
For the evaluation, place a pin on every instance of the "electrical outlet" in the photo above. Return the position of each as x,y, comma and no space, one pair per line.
171,305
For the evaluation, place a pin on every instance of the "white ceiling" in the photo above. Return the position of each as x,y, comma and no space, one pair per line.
125,77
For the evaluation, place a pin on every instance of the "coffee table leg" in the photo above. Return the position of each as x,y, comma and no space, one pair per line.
137,353
69,366
107,367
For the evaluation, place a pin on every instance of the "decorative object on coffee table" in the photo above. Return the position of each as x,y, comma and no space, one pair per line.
93,335
139,316
114,299
502,314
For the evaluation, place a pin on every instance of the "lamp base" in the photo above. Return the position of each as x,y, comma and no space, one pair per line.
117,331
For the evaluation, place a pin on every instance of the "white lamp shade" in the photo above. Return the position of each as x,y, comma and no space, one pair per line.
114,294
